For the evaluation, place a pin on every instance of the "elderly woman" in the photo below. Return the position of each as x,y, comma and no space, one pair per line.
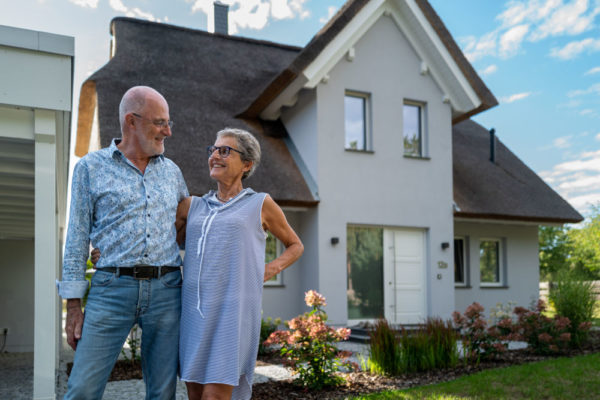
224,271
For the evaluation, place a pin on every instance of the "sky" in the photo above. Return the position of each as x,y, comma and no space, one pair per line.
540,58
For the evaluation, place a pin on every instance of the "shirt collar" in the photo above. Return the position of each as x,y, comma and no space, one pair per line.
115,150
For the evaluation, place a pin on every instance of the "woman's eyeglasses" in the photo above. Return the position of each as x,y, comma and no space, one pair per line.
224,151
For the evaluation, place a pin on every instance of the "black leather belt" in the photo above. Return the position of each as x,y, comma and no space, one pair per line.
141,271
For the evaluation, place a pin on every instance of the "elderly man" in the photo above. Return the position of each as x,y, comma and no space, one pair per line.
124,199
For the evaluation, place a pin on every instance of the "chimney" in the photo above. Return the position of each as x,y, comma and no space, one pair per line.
493,145
221,12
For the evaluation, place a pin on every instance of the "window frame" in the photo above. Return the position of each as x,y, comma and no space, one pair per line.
465,259
423,148
501,272
367,135
279,248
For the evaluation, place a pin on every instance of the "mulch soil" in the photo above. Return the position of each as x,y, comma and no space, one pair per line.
359,383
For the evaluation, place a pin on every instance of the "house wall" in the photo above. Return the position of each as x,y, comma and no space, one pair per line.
381,188
286,301
17,294
521,265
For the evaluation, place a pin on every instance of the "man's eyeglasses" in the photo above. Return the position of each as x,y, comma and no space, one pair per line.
160,123
224,151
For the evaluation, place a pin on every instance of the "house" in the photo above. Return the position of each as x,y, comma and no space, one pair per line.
36,77
406,207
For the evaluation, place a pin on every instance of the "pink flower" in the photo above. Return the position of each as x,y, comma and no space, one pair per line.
343,333
585,326
544,337
565,337
314,299
474,310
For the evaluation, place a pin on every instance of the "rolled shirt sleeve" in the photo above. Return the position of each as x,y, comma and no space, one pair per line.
77,245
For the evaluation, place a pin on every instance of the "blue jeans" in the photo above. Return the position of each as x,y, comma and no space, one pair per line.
114,305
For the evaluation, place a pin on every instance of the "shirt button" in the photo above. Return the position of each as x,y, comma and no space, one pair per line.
148,196
145,255
147,235
148,214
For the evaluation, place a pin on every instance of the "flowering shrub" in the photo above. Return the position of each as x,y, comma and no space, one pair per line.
267,327
308,345
479,340
543,335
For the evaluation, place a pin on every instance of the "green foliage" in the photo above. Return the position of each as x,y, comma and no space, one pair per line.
543,335
267,327
385,356
586,245
134,341
430,347
309,346
555,248
480,341
574,298
560,378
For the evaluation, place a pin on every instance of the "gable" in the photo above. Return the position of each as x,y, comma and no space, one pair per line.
438,53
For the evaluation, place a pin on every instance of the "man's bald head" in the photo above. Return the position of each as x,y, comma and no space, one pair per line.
134,100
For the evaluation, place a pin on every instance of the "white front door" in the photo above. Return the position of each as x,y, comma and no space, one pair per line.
404,276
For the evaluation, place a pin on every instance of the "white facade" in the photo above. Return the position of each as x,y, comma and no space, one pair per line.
35,112
408,199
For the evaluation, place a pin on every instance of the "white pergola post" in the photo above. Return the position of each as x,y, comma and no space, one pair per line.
46,318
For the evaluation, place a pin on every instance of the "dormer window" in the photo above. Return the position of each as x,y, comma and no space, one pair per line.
413,124
356,121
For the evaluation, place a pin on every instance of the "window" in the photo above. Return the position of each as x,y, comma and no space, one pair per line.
273,249
356,123
490,262
460,262
365,272
413,129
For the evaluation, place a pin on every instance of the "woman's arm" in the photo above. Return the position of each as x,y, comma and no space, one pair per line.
274,221
181,218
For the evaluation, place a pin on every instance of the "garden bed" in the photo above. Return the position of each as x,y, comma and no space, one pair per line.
358,383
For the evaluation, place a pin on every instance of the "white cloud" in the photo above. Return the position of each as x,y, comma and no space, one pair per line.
510,42
562,142
515,97
598,136
477,48
533,20
570,18
575,48
595,88
586,111
117,5
85,3
331,10
489,70
578,180
135,12
592,71
252,14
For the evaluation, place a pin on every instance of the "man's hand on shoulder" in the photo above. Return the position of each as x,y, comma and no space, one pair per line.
74,322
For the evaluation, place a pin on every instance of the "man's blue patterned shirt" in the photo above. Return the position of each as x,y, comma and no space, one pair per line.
128,215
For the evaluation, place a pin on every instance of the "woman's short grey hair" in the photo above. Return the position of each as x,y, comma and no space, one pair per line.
247,144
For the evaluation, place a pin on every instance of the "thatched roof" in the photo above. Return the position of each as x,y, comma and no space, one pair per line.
506,189
211,81
207,79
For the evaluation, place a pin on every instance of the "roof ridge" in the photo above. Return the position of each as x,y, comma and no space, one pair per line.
206,33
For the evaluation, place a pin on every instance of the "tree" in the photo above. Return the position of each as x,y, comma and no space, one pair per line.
586,245
555,249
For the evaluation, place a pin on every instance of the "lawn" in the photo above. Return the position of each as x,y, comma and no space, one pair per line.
561,378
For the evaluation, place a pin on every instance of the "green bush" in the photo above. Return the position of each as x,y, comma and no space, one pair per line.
267,327
574,298
385,350
430,347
